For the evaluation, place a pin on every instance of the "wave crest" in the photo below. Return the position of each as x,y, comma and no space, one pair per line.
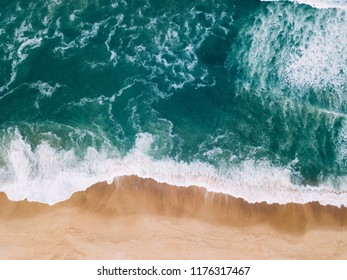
49,175
319,4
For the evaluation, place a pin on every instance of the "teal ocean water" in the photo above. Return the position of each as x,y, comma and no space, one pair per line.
247,98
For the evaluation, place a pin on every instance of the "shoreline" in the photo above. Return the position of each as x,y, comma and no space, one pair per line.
136,218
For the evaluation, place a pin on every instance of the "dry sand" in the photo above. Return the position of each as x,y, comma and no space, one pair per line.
136,218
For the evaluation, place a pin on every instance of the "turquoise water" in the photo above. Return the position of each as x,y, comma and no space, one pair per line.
242,97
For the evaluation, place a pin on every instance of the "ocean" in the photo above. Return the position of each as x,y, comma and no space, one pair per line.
247,98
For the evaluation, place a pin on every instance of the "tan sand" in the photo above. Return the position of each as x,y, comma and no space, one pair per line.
136,218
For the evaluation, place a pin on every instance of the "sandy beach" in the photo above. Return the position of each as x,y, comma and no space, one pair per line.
135,218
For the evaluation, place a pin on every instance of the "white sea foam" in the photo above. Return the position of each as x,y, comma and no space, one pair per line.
320,4
289,49
342,145
28,44
20,44
172,53
53,5
48,175
45,88
320,62
87,31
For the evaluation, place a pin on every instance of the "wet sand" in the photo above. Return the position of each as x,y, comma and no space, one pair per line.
135,218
